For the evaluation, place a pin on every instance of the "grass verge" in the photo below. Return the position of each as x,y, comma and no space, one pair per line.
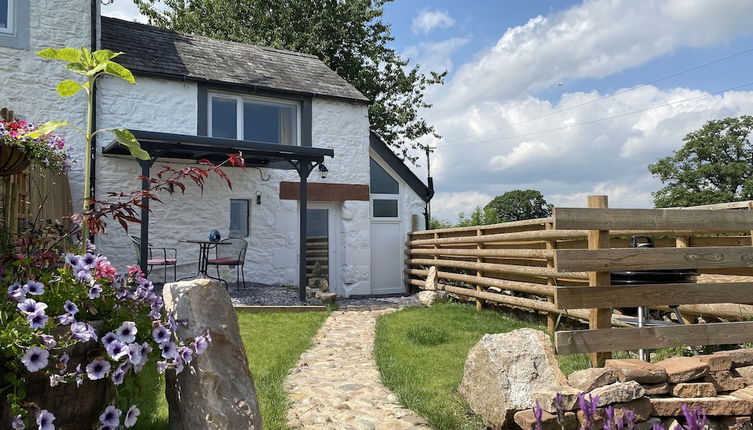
273,343
421,352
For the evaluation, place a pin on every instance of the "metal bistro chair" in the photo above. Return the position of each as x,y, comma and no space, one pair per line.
164,261
233,255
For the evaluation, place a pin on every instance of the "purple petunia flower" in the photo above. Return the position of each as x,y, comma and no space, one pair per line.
63,362
45,419
119,373
34,288
117,349
35,359
83,275
168,350
17,292
29,306
70,307
161,334
127,332
72,260
106,427
134,352
55,380
111,416
97,369
88,260
49,341
109,338
161,366
83,332
131,416
185,353
201,343
95,291
18,423
37,320
66,319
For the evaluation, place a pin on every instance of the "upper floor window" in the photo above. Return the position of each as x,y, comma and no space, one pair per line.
6,16
254,118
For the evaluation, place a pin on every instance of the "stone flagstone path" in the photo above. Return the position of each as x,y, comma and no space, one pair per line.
336,383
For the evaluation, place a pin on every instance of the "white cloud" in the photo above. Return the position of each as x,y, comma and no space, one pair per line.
496,128
428,20
593,40
435,56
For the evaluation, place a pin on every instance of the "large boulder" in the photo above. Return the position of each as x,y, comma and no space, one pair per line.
503,370
215,391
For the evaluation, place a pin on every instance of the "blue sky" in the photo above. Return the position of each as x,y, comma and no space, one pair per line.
568,97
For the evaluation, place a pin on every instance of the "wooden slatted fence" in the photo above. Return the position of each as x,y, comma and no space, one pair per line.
561,266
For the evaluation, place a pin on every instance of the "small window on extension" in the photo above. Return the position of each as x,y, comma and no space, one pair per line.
239,216
6,16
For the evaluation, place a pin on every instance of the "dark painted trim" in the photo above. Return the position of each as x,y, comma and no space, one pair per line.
325,192
21,23
304,101
203,106
392,160
306,122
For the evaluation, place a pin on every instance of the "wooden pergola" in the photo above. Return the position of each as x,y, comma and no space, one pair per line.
302,159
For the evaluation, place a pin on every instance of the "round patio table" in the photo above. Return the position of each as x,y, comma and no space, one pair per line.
204,247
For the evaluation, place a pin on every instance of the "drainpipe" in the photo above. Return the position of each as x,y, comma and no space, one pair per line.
94,43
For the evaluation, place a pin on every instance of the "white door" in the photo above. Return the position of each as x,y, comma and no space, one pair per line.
321,240
386,258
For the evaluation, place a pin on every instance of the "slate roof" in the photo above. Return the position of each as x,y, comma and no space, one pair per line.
155,51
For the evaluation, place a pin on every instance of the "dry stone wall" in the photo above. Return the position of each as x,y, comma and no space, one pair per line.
721,384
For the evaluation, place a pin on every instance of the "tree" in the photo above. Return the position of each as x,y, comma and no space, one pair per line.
517,205
436,223
714,166
478,217
347,35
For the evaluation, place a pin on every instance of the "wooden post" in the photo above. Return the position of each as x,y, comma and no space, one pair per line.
479,302
684,242
600,318
750,207
551,319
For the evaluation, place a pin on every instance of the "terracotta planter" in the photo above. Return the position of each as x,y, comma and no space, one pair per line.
75,408
12,160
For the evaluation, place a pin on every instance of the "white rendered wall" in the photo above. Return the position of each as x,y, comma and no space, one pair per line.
27,82
272,256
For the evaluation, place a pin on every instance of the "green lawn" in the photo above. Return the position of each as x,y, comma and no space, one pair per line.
421,352
273,341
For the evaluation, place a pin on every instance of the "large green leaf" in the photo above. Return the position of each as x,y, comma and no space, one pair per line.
68,88
65,54
105,54
47,128
77,68
116,69
127,139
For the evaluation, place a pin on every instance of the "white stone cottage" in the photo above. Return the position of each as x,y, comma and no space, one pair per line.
189,86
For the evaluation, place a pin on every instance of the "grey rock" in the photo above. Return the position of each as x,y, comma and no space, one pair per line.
428,298
547,396
588,379
619,392
216,390
503,370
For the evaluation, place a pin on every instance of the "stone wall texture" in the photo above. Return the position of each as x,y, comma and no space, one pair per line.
27,82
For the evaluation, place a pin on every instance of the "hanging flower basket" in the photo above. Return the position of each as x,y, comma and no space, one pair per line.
12,160
18,150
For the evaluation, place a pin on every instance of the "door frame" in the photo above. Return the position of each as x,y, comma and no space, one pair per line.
333,215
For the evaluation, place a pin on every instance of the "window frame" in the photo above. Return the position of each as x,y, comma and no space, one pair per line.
239,111
11,28
381,196
247,218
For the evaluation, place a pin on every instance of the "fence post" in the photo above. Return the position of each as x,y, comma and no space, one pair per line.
551,319
602,317
479,259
